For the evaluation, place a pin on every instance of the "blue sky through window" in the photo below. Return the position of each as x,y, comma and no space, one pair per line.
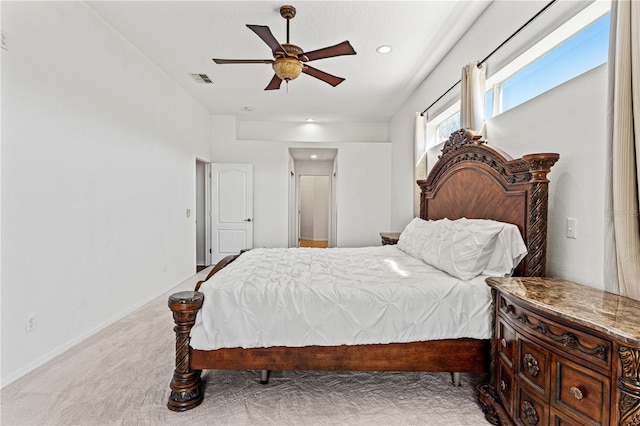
578,54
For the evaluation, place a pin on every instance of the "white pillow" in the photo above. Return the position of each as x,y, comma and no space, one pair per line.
510,249
461,248
415,234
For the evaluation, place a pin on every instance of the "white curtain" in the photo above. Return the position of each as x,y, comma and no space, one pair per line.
472,103
622,259
420,157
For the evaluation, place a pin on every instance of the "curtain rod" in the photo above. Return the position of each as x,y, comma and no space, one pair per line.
540,12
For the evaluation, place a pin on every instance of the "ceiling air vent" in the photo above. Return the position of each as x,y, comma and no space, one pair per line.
202,78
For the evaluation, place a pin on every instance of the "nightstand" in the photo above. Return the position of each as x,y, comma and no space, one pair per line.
389,238
562,353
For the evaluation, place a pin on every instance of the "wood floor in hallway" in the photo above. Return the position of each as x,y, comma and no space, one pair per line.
312,243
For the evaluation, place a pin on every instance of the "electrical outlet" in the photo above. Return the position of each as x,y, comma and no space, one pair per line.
4,40
31,322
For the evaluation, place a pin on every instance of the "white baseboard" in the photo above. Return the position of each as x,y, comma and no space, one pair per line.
73,342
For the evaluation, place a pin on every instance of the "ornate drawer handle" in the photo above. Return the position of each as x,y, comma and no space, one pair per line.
503,385
531,364
504,343
576,393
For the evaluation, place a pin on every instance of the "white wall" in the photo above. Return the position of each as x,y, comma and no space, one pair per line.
363,184
98,169
576,128
569,120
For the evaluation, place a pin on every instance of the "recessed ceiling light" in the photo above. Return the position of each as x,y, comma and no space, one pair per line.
385,48
309,120
249,109
313,156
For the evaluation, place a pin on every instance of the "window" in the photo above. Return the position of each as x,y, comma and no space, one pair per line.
439,128
580,53
579,45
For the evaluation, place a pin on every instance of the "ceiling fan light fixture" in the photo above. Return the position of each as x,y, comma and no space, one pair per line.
287,68
289,60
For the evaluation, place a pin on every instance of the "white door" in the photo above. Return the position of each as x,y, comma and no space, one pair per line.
232,196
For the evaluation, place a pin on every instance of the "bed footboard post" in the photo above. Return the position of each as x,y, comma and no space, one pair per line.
185,385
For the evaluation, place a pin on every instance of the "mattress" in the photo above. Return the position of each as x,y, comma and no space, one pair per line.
338,296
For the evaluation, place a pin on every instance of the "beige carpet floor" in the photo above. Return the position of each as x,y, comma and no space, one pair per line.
120,376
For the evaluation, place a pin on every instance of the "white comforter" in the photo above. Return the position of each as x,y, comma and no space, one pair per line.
330,297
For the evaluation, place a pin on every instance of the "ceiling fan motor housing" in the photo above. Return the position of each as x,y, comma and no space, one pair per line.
288,67
287,12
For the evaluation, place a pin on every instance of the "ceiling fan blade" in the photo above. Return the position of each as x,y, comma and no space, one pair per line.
242,61
339,49
265,34
274,84
321,75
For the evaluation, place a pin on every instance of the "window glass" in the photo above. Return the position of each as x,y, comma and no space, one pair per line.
448,126
578,54
488,104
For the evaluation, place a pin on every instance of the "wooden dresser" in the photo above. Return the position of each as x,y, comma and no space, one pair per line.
562,354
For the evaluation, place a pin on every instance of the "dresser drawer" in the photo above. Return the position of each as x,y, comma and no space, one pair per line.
580,391
559,418
534,366
571,341
504,386
531,410
506,342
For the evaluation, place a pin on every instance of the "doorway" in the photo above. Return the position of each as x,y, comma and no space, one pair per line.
315,205
312,197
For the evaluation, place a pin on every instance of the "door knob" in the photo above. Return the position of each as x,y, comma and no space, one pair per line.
248,220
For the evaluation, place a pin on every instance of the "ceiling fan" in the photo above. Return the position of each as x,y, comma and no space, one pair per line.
289,60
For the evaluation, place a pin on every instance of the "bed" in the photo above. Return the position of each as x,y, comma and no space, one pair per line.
470,182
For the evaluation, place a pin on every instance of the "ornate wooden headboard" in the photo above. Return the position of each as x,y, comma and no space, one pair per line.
472,180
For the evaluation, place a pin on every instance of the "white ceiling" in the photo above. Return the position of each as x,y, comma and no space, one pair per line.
321,154
181,37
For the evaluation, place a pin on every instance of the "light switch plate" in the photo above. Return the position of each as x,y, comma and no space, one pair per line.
572,228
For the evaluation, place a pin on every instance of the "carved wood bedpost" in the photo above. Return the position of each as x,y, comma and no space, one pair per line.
539,166
185,385
629,386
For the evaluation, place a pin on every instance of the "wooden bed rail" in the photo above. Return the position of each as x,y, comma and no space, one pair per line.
224,262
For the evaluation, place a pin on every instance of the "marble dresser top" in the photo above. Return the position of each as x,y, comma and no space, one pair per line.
614,315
